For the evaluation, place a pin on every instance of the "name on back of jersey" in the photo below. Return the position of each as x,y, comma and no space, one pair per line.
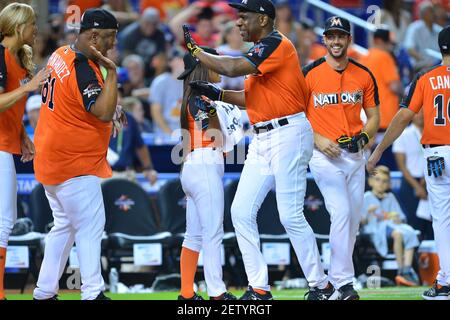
322,100
440,82
59,66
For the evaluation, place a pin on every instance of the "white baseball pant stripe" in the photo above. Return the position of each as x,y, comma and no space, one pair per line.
8,197
439,196
79,215
341,182
277,158
201,180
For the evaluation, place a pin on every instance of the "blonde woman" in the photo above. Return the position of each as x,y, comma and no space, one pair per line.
17,34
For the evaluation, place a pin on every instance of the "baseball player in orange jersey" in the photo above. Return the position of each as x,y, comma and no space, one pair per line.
430,90
17,34
338,88
72,138
278,156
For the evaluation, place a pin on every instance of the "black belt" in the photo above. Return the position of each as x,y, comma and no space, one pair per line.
433,145
213,148
268,127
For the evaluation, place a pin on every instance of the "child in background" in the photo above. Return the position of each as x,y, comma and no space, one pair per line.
383,219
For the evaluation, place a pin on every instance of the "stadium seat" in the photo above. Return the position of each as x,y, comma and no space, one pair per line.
40,210
23,235
172,205
315,212
234,270
130,221
172,208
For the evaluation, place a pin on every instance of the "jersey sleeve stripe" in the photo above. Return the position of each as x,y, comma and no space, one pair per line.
376,96
407,99
264,49
3,69
85,76
249,60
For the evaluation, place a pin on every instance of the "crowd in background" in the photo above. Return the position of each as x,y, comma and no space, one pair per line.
150,51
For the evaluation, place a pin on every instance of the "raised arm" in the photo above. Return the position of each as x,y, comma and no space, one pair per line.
225,65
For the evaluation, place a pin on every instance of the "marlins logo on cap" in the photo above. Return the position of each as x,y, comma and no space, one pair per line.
337,23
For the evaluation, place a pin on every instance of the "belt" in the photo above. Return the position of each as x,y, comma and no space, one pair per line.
268,127
213,148
433,145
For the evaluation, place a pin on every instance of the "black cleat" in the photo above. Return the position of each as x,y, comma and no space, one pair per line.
101,296
437,292
194,297
55,297
328,293
224,296
347,292
250,294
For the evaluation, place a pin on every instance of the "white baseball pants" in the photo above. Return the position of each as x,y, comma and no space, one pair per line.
79,216
277,158
341,182
8,197
439,196
201,180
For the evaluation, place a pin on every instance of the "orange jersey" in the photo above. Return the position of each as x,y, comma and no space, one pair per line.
385,71
430,89
336,98
198,124
70,141
279,88
12,76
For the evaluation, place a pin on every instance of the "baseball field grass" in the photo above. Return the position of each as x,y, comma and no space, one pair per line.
388,293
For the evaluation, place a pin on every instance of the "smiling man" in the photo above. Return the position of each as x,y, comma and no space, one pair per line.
278,156
338,88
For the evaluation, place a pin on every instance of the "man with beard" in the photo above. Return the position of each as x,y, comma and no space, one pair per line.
338,88
274,97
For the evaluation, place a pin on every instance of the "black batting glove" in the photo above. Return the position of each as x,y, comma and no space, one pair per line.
354,144
435,166
344,141
207,105
193,48
359,141
207,89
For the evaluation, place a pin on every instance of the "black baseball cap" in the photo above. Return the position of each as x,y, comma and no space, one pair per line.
444,40
98,19
258,6
190,62
337,23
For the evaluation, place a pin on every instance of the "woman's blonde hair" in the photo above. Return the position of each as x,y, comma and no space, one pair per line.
12,23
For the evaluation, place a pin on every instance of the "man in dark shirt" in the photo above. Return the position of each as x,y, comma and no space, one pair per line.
128,145
143,37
